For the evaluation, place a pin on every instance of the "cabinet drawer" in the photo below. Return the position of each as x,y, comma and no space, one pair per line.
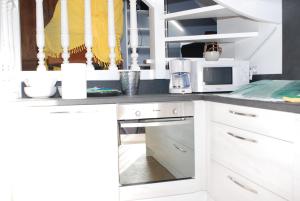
225,185
271,123
296,196
297,165
265,160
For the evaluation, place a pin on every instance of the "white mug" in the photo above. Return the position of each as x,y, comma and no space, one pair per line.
73,82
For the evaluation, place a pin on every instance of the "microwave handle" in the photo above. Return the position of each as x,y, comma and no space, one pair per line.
155,123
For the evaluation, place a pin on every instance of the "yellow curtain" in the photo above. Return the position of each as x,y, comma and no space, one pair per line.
76,29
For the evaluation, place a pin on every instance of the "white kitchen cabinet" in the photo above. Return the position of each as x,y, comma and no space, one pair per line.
265,160
296,191
256,144
226,185
66,153
8,122
198,196
271,123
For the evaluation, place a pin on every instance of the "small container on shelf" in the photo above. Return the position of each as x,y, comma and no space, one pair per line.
212,51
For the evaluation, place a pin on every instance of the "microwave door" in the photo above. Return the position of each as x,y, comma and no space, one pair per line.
217,75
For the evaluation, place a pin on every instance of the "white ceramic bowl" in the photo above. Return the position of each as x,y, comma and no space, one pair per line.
42,80
212,56
39,92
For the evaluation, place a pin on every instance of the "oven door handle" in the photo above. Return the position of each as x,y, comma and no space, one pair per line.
155,123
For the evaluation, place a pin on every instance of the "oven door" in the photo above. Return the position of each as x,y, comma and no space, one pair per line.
160,150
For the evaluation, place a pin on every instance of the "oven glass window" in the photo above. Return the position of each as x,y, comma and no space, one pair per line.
156,150
217,75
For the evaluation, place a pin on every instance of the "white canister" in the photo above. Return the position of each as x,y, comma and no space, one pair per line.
73,81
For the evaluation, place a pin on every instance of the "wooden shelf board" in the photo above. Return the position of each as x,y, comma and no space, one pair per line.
221,38
215,11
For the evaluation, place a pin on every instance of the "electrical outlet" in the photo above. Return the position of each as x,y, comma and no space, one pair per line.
252,71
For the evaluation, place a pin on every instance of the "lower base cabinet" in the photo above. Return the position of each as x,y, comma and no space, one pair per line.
264,160
225,185
296,182
296,189
199,196
67,153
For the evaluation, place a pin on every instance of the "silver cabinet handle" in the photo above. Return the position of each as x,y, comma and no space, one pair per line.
179,148
73,112
155,123
60,112
242,138
242,114
242,185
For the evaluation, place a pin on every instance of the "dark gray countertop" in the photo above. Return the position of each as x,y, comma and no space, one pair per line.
279,106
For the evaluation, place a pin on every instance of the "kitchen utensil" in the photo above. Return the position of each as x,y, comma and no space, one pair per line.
39,92
40,79
130,80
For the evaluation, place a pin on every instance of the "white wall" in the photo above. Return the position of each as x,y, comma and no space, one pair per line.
264,52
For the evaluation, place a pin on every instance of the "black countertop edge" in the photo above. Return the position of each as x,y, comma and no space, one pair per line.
278,106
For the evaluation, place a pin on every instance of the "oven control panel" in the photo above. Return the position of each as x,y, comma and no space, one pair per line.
155,110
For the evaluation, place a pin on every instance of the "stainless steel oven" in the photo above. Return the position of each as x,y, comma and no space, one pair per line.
156,142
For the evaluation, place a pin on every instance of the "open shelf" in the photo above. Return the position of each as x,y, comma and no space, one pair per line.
141,29
215,11
144,12
221,38
141,47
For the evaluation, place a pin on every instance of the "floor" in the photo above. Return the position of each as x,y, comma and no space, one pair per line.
145,170
135,166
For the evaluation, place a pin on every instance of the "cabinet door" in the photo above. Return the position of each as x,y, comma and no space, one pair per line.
67,153
296,192
7,122
225,185
271,123
265,160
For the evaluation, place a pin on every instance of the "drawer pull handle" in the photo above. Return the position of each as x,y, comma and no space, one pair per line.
60,112
241,138
242,114
179,148
242,185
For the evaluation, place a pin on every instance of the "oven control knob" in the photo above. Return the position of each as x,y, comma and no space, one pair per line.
175,111
137,113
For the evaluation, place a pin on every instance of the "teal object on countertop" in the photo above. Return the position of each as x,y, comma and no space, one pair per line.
269,89
102,91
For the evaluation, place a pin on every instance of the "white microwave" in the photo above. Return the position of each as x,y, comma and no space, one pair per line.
217,76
